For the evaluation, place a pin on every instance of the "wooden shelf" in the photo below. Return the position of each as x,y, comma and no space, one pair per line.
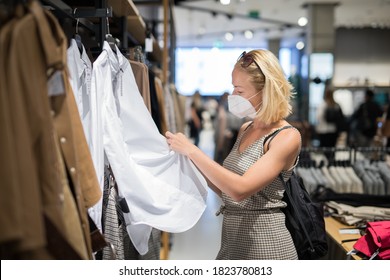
333,230
123,8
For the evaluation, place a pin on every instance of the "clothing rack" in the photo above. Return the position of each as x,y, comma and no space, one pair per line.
373,153
367,163
328,152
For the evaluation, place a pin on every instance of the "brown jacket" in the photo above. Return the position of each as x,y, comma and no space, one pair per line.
49,136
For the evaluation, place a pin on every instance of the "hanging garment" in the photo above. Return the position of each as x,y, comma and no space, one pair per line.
46,114
141,74
80,71
170,109
161,188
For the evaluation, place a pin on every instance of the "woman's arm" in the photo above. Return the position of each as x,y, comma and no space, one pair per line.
280,156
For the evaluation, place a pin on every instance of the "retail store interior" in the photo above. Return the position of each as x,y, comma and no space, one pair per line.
190,48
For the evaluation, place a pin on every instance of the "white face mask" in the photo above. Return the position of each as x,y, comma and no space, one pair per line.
241,107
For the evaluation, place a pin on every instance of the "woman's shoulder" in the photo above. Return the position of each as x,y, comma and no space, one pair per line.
292,131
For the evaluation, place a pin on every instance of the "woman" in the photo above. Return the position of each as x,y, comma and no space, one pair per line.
195,123
330,123
253,224
329,114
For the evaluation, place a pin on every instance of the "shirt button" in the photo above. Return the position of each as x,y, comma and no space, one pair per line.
52,113
63,140
62,198
72,170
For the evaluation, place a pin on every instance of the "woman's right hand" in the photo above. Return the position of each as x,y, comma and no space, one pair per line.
180,143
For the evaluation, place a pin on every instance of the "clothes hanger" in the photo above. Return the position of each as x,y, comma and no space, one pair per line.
109,38
76,36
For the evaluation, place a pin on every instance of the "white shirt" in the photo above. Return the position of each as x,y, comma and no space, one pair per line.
80,71
100,83
163,189
80,76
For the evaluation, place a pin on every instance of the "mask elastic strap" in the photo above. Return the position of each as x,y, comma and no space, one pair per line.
253,96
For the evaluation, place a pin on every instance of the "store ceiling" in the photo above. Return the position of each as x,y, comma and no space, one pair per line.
205,22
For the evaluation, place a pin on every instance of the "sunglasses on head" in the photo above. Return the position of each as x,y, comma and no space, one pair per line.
246,60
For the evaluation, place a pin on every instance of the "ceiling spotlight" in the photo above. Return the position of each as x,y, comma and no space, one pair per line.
229,36
201,30
248,34
302,21
300,45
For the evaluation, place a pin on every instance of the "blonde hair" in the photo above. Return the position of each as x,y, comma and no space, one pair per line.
276,89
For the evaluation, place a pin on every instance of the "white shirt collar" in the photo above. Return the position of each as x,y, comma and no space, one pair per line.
81,61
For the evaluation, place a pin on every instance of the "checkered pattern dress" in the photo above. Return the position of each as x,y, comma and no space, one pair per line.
255,227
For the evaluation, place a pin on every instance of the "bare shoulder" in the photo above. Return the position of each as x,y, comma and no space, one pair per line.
290,137
291,133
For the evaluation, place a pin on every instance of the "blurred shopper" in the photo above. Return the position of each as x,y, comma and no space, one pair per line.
330,120
364,121
195,122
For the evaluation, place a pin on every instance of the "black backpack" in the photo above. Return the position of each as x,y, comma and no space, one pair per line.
304,218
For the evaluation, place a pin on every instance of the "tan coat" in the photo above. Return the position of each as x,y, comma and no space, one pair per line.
49,137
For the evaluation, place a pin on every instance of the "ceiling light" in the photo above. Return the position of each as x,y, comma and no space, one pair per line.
224,2
302,21
229,36
248,34
201,30
300,45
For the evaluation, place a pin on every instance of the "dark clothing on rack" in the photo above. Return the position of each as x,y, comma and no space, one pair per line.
156,114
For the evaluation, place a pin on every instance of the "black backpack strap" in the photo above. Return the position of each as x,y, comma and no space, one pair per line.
273,134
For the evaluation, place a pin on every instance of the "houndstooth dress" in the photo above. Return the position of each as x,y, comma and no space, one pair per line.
255,227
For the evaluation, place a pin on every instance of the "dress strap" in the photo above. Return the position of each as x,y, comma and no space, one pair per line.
273,134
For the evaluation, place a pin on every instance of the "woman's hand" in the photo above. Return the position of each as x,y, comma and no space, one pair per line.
180,143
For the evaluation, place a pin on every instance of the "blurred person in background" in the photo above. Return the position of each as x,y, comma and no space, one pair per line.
364,121
330,122
195,123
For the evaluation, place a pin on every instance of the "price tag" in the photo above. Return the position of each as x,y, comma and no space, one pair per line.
55,84
148,45
349,231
